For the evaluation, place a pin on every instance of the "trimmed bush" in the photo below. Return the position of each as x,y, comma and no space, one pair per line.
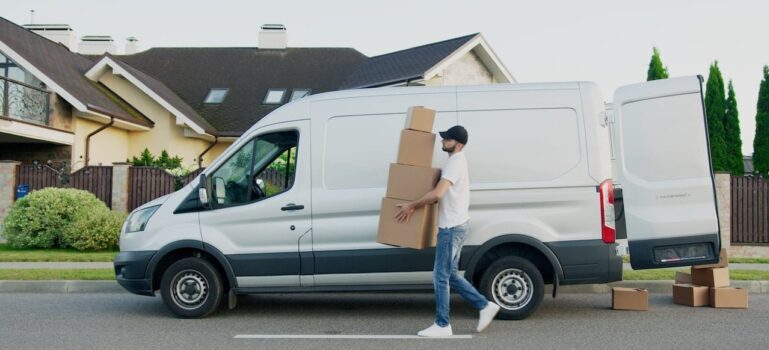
38,220
94,231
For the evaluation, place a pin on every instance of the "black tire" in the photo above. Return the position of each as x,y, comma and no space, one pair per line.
191,288
511,274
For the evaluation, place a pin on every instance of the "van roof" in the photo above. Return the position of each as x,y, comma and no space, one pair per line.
405,90
301,105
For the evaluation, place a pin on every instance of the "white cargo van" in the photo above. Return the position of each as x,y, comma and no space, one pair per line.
293,204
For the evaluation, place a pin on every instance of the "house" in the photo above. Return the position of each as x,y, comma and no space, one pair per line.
73,107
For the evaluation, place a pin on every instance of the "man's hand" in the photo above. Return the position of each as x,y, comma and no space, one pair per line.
406,209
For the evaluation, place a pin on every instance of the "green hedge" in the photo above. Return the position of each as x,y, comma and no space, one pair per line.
60,218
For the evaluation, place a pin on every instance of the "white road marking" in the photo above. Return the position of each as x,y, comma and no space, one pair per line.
344,336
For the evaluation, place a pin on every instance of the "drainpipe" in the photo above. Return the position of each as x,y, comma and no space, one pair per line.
200,157
88,138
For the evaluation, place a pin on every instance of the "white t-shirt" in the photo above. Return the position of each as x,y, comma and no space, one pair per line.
454,207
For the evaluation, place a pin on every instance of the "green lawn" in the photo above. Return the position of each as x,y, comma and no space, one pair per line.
56,274
669,274
731,260
69,255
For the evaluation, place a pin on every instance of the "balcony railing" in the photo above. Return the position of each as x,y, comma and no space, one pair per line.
23,102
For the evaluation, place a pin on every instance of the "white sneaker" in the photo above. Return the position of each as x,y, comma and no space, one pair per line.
436,331
487,315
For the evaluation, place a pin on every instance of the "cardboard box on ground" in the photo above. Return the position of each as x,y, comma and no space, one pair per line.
709,285
409,179
636,299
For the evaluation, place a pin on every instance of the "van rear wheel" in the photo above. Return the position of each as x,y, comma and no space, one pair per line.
515,284
191,288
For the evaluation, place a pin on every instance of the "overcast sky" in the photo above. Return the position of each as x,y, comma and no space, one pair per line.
609,42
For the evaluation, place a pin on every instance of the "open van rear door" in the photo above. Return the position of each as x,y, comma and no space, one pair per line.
664,168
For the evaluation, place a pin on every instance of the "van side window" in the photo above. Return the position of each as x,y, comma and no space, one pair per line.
278,174
262,168
231,182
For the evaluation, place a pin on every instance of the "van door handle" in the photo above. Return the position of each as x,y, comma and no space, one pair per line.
292,206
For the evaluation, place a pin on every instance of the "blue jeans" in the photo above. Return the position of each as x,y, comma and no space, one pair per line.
446,273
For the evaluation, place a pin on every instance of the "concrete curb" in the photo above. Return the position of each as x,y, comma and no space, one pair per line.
67,286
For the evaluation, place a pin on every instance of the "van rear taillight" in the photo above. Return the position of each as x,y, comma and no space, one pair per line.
606,195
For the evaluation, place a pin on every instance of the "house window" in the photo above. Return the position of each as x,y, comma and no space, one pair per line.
11,70
299,93
216,95
274,96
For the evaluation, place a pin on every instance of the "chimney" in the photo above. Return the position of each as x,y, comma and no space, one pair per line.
59,33
272,36
96,45
132,45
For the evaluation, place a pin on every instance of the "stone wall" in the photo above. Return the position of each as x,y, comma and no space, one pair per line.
7,189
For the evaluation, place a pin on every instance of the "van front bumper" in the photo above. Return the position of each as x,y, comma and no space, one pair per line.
131,271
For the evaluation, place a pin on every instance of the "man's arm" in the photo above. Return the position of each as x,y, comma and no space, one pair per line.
431,197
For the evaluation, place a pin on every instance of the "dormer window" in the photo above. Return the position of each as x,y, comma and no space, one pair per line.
216,95
299,93
274,96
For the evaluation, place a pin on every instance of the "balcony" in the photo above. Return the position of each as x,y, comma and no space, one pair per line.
23,102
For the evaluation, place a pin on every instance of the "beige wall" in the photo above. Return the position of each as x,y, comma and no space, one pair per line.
467,70
165,135
214,152
108,146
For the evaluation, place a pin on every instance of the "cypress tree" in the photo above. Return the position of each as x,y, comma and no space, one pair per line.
732,134
715,108
761,140
656,69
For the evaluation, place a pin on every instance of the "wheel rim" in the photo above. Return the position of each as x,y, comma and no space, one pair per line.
512,289
189,289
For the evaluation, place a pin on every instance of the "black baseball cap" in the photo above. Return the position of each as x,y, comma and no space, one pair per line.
456,133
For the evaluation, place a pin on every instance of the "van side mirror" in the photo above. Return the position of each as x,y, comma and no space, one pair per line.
203,191
219,190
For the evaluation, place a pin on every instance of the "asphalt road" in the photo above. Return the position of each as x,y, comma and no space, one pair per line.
573,321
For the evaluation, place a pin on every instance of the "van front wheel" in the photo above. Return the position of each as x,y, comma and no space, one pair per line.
515,284
191,288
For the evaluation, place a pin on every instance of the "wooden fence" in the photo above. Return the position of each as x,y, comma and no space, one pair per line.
145,183
37,176
750,210
95,179
148,183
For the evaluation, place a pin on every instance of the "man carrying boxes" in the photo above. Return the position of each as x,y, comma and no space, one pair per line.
453,196
408,180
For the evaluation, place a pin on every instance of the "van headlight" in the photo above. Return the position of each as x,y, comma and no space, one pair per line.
138,219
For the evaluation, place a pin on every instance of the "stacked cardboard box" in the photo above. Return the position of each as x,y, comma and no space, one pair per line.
409,179
709,285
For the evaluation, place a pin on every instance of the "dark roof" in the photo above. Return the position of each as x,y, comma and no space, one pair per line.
248,73
166,94
402,65
65,68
